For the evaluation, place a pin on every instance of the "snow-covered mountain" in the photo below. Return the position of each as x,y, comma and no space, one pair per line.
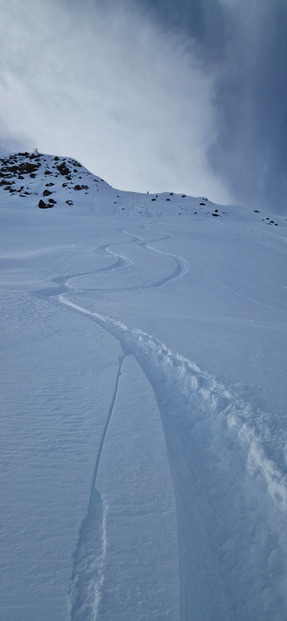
143,402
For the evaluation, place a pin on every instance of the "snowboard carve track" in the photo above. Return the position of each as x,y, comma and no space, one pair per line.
208,438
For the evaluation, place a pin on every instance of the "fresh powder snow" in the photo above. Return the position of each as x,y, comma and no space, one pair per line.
143,402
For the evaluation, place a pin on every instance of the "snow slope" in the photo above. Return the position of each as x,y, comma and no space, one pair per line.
143,402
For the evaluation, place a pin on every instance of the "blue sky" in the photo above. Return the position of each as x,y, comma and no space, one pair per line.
188,96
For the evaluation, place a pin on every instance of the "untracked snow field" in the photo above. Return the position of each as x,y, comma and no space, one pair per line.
143,406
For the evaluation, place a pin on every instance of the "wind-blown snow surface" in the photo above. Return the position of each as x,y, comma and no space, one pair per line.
143,403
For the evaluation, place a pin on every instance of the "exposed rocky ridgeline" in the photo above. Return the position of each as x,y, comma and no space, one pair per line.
44,176
52,180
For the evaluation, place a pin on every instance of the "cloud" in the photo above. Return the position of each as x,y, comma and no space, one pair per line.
243,44
252,97
111,87
189,96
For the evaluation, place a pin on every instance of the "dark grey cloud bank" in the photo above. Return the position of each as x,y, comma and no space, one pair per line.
244,42
186,95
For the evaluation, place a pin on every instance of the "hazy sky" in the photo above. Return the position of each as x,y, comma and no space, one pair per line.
182,95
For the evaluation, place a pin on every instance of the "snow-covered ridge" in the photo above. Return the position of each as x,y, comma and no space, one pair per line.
63,181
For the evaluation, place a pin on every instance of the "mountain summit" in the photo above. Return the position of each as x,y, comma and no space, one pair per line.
64,181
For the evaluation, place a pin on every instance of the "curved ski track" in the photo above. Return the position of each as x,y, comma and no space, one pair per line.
63,283
88,566
223,482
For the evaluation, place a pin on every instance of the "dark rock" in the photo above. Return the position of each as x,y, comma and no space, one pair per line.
81,187
63,169
43,205
27,167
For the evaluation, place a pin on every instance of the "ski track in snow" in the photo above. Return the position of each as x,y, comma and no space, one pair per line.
189,378
209,438
181,268
199,415
88,567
